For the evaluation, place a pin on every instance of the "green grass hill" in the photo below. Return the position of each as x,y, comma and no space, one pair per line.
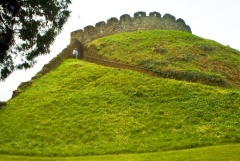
82,108
174,54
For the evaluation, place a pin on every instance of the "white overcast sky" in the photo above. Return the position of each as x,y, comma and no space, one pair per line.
217,20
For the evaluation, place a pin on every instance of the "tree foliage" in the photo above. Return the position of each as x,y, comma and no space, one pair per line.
27,29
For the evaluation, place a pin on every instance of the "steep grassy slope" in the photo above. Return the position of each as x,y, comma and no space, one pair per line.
82,108
175,54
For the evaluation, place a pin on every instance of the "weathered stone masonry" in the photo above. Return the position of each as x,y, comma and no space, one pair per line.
80,38
127,24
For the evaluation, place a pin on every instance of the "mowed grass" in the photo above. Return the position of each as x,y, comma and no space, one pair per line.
212,153
175,54
81,108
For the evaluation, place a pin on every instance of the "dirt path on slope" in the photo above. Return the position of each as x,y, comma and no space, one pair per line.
120,65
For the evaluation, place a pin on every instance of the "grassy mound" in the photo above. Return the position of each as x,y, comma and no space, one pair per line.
81,108
175,54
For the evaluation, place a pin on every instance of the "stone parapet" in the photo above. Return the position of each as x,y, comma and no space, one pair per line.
140,21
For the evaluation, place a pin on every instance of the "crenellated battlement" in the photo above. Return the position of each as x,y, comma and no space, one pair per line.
126,23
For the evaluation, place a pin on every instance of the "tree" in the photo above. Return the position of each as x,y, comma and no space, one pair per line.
27,29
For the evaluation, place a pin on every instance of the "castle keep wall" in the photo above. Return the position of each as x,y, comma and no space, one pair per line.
140,21
80,38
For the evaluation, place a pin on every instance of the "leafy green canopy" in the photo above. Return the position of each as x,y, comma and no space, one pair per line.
27,29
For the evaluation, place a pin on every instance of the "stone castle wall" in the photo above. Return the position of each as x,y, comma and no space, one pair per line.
126,23
54,63
140,21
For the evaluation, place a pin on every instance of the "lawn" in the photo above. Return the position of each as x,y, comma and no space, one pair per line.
212,153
